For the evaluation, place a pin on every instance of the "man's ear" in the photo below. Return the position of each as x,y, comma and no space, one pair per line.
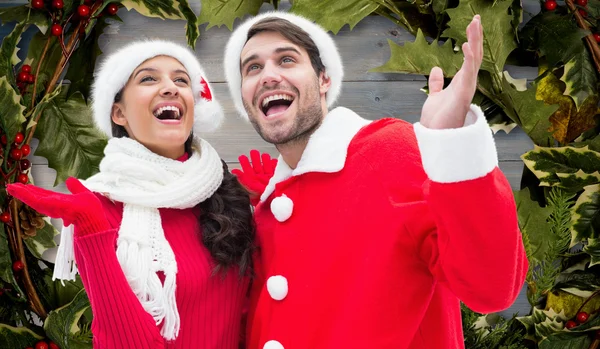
324,82
117,116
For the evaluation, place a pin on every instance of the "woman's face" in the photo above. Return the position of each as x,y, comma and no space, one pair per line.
157,106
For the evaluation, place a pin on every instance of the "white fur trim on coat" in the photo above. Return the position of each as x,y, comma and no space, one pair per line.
116,69
327,49
459,154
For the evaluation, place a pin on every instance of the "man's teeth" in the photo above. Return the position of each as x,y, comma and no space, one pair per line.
169,107
276,97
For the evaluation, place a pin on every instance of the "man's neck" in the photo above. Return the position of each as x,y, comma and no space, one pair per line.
291,152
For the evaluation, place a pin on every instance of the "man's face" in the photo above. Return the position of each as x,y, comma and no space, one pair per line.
281,92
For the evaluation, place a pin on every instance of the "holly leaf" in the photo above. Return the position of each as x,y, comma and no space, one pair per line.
12,110
43,239
566,340
8,53
18,337
25,15
62,327
168,9
81,67
533,222
593,8
571,168
568,122
333,15
496,117
541,321
69,139
528,112
224,12
499,38
6,272
419,57
585,215
50,62
554,36
581,79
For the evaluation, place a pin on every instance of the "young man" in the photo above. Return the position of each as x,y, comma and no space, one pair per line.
370,232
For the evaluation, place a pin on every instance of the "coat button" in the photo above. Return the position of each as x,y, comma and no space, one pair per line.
278,287
282,208
273,345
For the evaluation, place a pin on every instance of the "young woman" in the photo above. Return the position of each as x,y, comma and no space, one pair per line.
163,234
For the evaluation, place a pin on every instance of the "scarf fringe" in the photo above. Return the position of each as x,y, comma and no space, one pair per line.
65,267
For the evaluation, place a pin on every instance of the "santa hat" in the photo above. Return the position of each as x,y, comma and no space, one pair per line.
327,51
116,69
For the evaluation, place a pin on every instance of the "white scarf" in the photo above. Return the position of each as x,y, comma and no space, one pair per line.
144,182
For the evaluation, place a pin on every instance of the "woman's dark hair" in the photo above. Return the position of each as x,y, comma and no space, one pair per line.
226,217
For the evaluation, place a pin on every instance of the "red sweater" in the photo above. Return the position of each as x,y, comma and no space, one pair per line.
361,250
210,306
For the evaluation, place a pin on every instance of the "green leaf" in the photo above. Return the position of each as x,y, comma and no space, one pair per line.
168,9
81,66
43,239
25,15
12,110
50,62
533,222
593,249
224,12
527,111
333,15
566,340
579,279
585,216
541,322
69,139
499,38
8,53
419,57
62,327
6,272
18,337
556,37
568,122
567,167
580,78
61,292
593,8
191,28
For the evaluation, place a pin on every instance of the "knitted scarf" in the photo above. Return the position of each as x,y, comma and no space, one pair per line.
144,182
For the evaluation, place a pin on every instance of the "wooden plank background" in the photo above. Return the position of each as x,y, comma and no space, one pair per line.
371,95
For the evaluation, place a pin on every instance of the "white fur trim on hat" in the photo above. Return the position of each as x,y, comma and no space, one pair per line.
327,50
117,68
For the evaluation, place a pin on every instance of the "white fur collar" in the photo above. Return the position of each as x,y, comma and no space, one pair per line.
326,149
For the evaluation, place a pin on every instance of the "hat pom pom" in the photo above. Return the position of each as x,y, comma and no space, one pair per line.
208,116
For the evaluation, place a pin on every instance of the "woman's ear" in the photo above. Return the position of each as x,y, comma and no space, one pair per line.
117,115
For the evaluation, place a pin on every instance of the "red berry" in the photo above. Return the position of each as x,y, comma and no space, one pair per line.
3,140
581,2
18,266
112,9
570,324
597,37
582,317
22,76
26,150
582,12
41,345
83,11
37,4
550,5
26,68
21,85
30,78
58,4
16,154
22,178
56,29
54,346
19,138
5,217
25,164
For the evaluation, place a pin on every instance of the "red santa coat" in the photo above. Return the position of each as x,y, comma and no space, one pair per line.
379,232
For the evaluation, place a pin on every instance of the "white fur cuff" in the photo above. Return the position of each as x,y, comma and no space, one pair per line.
459,154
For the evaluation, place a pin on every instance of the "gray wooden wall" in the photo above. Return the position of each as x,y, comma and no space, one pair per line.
371,95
